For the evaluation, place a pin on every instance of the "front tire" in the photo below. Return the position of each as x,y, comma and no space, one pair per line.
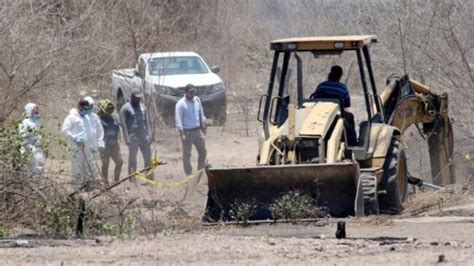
370,191
395,179
221,117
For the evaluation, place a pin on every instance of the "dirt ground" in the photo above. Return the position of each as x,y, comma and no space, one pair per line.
435,226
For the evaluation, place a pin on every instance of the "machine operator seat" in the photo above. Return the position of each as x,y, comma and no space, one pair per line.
349,122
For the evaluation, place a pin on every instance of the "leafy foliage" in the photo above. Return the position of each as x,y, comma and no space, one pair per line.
46,205
10,145
3,231
243,210
120,230
58,216
294,205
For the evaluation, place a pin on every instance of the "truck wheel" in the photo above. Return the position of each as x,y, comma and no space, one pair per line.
221,118
395,179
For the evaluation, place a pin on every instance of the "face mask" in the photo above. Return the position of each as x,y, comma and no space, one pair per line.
35,117
135,101
86,111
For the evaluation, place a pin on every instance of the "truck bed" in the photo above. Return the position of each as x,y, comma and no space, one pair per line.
125,72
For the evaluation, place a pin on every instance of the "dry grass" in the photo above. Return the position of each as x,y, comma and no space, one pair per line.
373,220
423,202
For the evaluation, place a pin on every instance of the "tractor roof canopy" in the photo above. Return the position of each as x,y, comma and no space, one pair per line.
323,43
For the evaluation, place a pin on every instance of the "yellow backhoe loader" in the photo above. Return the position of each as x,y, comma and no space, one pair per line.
303,145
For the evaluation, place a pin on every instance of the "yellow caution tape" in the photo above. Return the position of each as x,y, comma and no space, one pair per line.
154,163
153,182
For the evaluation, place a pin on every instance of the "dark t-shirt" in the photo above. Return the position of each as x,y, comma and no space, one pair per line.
111,127
134,120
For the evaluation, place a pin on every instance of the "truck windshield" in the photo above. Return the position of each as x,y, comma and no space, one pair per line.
176,66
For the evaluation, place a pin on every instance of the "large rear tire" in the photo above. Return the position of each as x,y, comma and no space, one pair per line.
395,179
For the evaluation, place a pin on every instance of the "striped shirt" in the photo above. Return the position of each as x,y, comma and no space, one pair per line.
333,89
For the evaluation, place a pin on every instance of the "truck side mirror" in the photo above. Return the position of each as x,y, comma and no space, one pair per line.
215,69
136,73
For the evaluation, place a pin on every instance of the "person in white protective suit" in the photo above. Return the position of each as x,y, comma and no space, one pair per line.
84,144
29,131
97,131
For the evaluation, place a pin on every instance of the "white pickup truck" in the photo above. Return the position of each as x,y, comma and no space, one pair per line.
164,76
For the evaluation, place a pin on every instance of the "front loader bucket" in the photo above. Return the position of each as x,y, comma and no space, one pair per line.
330,185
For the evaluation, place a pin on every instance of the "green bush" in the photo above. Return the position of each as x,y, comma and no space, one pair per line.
241,211
3,232
294,205
45,205
123,228
10,144
58,216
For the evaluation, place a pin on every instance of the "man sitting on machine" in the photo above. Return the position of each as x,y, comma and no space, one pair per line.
333,88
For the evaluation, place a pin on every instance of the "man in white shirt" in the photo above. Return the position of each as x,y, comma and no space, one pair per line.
189,116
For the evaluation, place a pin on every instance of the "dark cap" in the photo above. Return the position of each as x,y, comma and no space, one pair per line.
137,93
190,88
84,103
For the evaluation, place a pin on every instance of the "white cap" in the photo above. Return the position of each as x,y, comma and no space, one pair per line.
29,108
90,100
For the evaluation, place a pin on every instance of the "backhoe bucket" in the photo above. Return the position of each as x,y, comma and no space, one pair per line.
330,185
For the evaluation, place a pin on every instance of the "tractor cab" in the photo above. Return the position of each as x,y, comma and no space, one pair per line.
284,90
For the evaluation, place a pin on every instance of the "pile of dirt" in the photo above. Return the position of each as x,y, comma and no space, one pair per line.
440,203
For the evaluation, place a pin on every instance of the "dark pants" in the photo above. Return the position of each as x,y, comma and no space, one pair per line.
194,137
143,144
111,151
349,125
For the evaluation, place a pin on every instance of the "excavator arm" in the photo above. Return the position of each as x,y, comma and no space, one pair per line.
407,102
